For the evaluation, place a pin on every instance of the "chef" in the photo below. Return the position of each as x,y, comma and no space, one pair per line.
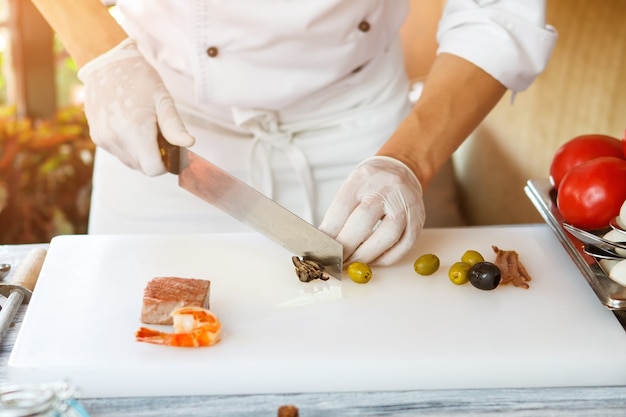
306,100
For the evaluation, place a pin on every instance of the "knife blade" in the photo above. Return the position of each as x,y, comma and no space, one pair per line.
21,287
251,207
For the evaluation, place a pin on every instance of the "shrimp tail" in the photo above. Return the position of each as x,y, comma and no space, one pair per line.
204,329
145,334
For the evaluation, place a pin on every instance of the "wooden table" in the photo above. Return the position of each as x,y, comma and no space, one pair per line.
567,401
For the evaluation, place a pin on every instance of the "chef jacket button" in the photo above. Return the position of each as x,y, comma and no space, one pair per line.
212,51
364,26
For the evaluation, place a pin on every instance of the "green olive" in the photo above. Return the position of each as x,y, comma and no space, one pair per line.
359,272
472,257
459,273
426,264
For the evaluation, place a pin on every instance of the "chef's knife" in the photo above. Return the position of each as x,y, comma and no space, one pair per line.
21,287
249,206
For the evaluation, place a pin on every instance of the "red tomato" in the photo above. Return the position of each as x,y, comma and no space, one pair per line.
580,149
592,193
624,143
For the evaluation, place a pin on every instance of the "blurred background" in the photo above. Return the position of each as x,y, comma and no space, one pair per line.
46,156
583,90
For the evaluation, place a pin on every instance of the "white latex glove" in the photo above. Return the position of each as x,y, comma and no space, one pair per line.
378,212
125,100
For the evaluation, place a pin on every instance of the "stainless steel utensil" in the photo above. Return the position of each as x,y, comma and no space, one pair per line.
588,237
251,207
21,287
601,253
4,270
616,225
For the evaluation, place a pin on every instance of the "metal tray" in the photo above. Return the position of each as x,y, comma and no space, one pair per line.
610,293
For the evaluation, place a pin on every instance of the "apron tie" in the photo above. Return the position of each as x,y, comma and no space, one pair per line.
267,136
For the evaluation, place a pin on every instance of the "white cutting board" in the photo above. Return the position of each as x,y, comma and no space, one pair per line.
400,331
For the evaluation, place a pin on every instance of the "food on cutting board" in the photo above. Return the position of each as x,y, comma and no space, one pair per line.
163,295
308,270
193,327
426,264
485,275
472,257
183,303
482,274
359,272
512,269
458,273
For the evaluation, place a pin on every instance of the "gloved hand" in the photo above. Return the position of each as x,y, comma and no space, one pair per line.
125,100
378,212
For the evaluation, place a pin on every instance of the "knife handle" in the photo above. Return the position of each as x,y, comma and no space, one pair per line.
26,275
29,268
170,154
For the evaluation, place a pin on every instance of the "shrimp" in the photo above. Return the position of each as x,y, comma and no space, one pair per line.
193,327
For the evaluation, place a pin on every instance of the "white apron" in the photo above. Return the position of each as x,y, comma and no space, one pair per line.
299,157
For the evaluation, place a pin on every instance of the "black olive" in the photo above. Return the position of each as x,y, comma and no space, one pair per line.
485,275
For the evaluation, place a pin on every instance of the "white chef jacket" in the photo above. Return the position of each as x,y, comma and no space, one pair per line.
291,95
